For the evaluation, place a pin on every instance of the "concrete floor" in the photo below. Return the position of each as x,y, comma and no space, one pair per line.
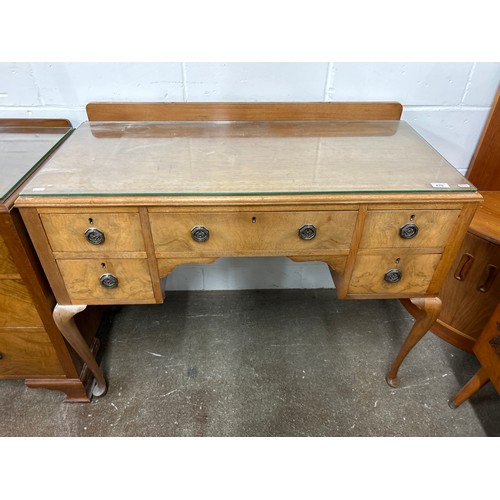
262,363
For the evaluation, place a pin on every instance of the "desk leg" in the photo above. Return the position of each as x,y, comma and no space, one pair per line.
428,314
470,388
64,319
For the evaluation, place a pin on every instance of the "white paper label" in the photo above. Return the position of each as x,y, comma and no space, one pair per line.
464,185
441,185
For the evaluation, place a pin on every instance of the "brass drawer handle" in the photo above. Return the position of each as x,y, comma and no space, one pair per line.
200,234
94,236
393,276
108,281
408,231
307,232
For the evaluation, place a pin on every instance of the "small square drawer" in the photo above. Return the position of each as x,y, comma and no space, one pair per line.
26,353
253,233
392,273
16,307
408,228
94,232
110,281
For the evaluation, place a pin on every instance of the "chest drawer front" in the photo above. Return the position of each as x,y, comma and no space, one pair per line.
415,271
110,281
27,354
259,233
110,232
16,307
422,228
7,265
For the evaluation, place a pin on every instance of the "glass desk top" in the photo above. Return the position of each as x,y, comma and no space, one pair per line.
244,158
21,150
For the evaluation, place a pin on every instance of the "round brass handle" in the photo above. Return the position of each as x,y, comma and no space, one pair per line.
408,231
307,232
94,236
108,281
200,234
393,276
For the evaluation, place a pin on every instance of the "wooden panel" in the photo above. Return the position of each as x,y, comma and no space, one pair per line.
369,271
486,221
236,111
483,170
82,281
250,233
7,265
382,228
16,306
465,307
34,122
27,354
66,232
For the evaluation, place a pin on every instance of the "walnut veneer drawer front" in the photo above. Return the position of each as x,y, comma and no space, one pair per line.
259,233
27,353
7,265
93,232
16,306
393,273
408,228
111,281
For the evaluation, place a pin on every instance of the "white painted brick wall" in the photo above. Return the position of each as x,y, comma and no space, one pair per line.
447,103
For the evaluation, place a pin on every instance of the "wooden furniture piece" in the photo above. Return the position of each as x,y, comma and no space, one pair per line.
144,187
487,350
31,346
471,290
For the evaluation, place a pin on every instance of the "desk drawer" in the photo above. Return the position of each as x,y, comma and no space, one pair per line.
115,232
259,233
16,307
26,353
415,273
408,228
110,281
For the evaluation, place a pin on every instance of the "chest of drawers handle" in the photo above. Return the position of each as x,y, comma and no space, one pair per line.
393,276
408,231
200,234
307,232
108,281
94,236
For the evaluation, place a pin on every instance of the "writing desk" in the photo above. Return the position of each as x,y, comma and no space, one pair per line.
123,202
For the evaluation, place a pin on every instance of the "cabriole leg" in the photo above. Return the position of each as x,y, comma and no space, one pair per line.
64,319
428,314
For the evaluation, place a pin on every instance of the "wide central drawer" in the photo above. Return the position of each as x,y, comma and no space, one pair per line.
247,233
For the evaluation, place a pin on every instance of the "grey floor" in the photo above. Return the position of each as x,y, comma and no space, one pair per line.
262,363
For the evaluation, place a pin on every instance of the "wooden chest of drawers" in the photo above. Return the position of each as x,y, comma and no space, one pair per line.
31,345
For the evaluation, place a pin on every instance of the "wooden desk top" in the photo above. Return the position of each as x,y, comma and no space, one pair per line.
244,158
486,222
